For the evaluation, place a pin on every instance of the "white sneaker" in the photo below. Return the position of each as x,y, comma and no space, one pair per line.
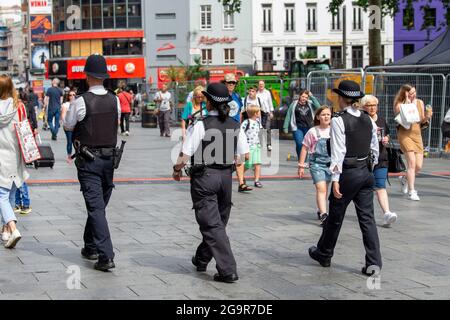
404,184
389,218
15,237
413,196
6,236
127,134
269,148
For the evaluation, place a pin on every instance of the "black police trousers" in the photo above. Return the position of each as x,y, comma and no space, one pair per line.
96,181
356,184
211,197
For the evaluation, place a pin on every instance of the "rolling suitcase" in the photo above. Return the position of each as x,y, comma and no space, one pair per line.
47,157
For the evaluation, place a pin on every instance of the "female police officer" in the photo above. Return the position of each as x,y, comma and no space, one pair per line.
353,142
213,144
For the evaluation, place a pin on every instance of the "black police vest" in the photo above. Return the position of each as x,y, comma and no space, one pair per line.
358,134
218,147
99,128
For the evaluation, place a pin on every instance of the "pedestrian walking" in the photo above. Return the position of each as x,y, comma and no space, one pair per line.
95,139
193,110
315,145
126,102
66,106
300,117
236,101
211,180
252,128
354,149
164,103
249,100
267,110
53,101
410,140
380,172
12,170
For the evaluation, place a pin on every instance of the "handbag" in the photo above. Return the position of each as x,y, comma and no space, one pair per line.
396,164
409,113
25,135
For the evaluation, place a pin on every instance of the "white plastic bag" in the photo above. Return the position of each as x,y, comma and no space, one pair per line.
409,113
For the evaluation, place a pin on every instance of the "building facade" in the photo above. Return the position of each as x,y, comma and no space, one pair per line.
9,15
3,49
16,58
113,28
415,28
166,25
282,30
221,39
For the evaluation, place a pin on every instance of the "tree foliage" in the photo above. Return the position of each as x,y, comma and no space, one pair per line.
233,5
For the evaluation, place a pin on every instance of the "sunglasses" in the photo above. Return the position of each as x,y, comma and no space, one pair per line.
231,82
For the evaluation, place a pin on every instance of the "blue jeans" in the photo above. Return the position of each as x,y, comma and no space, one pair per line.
299,135
54,128
69,135
22,197
7,200
380,175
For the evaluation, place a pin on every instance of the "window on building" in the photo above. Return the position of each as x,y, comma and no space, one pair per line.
97,14
267,18
108,14
383,57
357,18
205,17
228,18
311,18
86,15
408,48
290,20
228,56
336,57
336,20
134,14
206,56
312,51
121,14
168,36
289,56
430,17
166,57
408,18
357,57
116,47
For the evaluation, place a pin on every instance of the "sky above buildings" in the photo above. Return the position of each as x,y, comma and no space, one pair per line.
9,2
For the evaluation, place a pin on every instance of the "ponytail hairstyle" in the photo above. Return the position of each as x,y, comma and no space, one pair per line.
223,109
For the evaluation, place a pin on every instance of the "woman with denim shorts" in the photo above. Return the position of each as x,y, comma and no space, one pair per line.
315,144
370,105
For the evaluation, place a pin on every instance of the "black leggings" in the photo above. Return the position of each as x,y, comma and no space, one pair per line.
125,120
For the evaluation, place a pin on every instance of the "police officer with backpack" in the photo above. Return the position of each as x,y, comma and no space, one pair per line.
95,118
354,151
212,145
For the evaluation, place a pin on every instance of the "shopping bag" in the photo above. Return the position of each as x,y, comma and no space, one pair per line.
41,115
396,164
409,113
25,135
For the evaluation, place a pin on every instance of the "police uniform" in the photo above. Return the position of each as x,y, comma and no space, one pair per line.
212,149
96,116
354,145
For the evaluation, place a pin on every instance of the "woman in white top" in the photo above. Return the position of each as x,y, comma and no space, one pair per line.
68,131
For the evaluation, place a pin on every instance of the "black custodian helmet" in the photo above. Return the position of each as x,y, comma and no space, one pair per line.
96,67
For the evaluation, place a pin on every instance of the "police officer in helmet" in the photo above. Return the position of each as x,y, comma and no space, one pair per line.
354,152
95,117
213,145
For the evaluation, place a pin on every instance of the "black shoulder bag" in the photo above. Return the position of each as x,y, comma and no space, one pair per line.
396,164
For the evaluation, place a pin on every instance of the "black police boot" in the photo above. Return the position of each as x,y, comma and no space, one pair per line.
367,273
89,255
313,253
227,279
201,267
104,265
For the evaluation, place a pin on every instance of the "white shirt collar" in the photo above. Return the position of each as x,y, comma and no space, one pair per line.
97,89
213,113
352,111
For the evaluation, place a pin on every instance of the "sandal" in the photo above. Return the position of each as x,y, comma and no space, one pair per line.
243,188
258,184
323,218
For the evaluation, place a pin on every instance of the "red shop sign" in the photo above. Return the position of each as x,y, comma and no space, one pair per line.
118,68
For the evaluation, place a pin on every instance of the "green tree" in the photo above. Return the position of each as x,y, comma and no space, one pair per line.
233,5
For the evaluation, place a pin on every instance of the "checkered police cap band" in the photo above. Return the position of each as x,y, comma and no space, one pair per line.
219,99
351,93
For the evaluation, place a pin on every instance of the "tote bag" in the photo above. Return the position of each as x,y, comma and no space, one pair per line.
409,113
25,135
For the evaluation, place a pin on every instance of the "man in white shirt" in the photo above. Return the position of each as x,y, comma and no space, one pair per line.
354,152
164,104
267,110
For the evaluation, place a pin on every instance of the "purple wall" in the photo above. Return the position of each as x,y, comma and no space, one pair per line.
416,36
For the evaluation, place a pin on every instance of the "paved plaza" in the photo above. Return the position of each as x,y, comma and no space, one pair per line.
155,235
